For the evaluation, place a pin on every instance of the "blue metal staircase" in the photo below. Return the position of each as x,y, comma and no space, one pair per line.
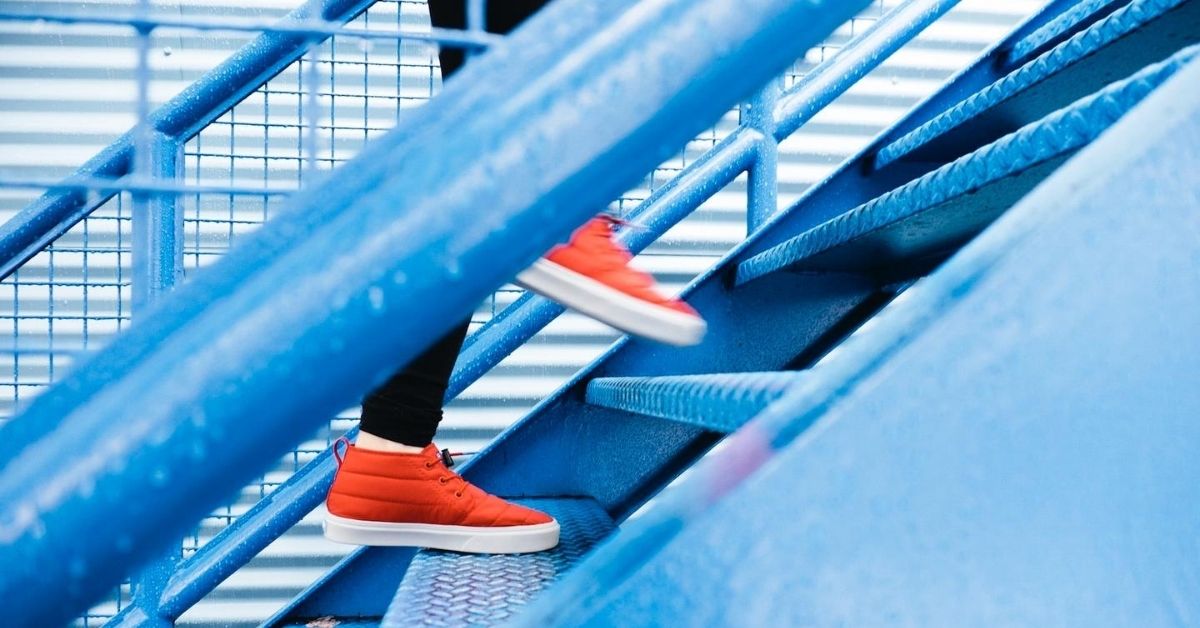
796,335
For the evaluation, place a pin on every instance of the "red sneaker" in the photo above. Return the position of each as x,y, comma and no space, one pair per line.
591,274
380,498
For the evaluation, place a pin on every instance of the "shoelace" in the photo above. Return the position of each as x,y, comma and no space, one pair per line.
446,479
447,459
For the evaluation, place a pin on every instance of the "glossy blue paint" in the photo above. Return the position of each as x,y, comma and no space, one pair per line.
1142,32
305,489
41,222
937,210
157,264
314,29
1015,443
762,198
1084,12
253,339
567,434
856,181
157,229
721,402
863,53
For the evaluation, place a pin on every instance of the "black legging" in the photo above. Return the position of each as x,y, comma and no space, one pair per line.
408,407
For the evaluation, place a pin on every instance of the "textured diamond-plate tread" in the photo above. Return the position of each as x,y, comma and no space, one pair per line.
450,589
1175,21
946,206
721,402
1069,19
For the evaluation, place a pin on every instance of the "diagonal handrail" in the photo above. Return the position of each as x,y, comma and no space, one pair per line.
252,342
243,539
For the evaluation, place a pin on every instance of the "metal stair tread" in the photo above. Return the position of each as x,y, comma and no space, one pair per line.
720,402
1054,78
447,589
947,206
1082,13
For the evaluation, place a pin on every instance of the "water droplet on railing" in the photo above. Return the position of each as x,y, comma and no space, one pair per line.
375,296
159,477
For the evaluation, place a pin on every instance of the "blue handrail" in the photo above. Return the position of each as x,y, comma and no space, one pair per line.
304,490
248,341
41,222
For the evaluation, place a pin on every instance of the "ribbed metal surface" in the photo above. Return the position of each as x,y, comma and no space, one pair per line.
1060,133
1082,44
450,589
1069,19
719,402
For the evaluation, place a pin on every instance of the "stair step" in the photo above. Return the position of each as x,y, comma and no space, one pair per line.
942,209
451,589
721,402
1082,14
1143,32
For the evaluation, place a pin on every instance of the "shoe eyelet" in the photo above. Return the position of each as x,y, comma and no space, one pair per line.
443,480
458,494
429,465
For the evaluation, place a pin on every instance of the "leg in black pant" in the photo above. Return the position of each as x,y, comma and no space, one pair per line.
408,407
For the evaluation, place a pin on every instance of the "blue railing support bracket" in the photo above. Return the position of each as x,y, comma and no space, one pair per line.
157,227
762,197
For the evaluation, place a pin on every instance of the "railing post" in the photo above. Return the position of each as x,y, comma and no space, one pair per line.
762,191
157,265
157,226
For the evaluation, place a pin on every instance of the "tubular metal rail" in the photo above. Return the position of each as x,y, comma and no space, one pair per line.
237,334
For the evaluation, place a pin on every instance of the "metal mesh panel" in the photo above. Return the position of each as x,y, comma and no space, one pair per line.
64,301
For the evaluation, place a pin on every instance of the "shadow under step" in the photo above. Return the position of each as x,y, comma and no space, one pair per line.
1143,32
938,212
450,589
720,402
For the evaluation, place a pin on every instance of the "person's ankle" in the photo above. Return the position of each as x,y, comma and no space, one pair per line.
371,442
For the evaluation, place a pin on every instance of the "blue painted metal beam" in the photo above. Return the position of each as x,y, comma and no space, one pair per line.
762,191
1141,33
720,402
41,222
319,305
946,206
275,513
862,54
1021,428
565,433
668,204
855,181
157,229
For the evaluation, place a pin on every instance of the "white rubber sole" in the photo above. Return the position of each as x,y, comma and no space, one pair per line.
468,539
611,306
